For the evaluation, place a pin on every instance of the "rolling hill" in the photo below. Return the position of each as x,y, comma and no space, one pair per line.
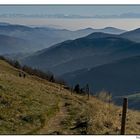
10,44
119,77
44,37
32,105
133,35
87,52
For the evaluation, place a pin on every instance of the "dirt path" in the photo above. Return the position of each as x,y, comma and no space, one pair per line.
58,123
53,126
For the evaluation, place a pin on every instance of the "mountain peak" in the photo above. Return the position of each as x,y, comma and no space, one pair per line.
100,35
89,28
86,29
109,28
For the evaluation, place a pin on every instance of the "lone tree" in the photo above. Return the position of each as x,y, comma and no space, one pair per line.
77,88
52,78
17,65
87,90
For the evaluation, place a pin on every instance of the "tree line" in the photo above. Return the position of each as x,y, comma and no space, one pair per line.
33,71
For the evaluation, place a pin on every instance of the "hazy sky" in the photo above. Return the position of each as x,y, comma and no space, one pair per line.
80,10
74,24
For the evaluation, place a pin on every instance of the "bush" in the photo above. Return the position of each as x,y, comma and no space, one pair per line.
104,96
77,88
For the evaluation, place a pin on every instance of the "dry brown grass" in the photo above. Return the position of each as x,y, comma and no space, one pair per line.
36,106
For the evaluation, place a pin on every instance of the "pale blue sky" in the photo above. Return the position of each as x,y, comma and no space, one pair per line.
80,10
129,22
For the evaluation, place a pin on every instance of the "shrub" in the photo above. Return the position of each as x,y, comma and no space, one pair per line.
77,88
104,96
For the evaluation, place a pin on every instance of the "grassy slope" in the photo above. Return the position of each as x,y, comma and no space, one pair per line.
36,106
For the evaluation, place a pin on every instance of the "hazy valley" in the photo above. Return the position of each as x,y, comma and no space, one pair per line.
106,59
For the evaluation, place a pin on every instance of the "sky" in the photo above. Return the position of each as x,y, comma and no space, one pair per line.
127,23
80,10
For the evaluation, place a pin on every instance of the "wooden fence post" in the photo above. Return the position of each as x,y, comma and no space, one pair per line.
109,100
87,90
71,90
124,111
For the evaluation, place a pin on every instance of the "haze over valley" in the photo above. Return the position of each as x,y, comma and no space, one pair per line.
73,60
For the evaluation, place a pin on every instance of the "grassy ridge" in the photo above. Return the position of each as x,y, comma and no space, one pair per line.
35,106
25,103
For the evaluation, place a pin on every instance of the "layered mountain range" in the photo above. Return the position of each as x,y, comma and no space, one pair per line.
37,38
106,59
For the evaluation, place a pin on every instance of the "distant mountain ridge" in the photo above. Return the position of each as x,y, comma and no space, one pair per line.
44,37
133,35
119,77
10,44
87,52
